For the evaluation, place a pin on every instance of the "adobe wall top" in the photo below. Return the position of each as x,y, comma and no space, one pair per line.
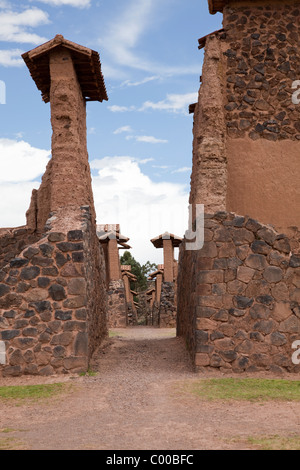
158,241
86,62
218,5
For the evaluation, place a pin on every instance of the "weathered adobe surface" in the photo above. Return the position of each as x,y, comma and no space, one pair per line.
67,179
239,308
246,125
51,317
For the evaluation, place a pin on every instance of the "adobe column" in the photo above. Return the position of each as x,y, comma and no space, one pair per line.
168,260
68,75
71,180
168,242
114,260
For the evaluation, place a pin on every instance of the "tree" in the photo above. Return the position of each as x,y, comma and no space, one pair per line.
140,271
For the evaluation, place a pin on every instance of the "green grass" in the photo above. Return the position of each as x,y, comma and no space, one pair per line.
9,443
246,389
32,392
276,442
88,373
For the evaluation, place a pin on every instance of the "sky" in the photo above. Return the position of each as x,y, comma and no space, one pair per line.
140,140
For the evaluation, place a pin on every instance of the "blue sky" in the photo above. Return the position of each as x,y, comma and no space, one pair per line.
140,141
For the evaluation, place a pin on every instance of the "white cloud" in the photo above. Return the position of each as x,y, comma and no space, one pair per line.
19,161
144,209
11,58
71,3
149,139
14,26
123,129
20,167
129,83
120,109
184,169
175,103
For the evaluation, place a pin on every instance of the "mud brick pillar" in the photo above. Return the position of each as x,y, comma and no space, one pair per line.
68,75
114,260
167,289
168,260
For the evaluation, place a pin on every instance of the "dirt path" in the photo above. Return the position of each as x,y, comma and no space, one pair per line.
137,401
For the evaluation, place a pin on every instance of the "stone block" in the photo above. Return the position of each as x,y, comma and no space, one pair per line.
76,301
245,274
56,237
202,359
209,250
77,286
256,261
273,274
206,324
36,295
290,325
211,277
76,363
213,301
57,292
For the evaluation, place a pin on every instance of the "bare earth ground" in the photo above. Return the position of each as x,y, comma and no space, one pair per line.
138,401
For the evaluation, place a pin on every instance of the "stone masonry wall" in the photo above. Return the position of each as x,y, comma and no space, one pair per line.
239,297
262,63
47,321
13,241
117,308
167,306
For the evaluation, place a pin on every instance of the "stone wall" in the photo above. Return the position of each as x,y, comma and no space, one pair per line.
262,63
167,306
53,300
247,119
13,241
117,308
239,304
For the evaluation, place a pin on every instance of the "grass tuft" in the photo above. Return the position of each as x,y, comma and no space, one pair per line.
247,389
32,392
276,442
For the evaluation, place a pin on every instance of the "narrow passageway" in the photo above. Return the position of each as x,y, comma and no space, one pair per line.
143,349
137,397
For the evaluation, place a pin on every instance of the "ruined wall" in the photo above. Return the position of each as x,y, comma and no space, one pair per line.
238,297
51,318
209,173
117,307
53,300
262,110
13,241
67,179
247,120
240,308
167,306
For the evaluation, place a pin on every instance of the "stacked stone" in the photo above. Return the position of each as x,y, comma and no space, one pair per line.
244,307
167,307
118,313
43,315
262,55
13,241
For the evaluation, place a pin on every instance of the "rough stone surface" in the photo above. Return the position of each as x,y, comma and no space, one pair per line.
250,318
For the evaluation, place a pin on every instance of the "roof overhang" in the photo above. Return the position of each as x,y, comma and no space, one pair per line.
159,241
86,62
216,5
